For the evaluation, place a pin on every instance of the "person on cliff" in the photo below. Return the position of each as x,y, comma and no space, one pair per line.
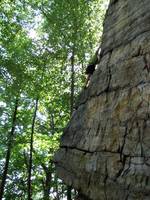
91,66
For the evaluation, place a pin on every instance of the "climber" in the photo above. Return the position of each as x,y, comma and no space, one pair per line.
91,66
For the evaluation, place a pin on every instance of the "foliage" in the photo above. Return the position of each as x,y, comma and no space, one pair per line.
37,41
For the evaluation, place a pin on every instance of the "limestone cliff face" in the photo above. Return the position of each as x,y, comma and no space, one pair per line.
105,149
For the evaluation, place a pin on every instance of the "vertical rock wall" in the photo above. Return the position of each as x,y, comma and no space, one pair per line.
105,150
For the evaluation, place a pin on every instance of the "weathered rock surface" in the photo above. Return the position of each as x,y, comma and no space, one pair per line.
105,150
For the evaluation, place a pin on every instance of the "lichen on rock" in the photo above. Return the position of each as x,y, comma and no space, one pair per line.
105,149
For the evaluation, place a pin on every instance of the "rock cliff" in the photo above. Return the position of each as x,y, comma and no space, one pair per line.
105,149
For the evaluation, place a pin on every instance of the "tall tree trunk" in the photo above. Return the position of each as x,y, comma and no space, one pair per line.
56,187
69,190
71,106
31,152
72,83
9,148
47,183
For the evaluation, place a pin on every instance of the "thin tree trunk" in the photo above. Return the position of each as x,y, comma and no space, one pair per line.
56,188
9,148
47,184
72,83
63,192
31,152
69,188
52,123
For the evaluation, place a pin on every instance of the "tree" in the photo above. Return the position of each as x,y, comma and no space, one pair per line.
44,48
9,148
31,152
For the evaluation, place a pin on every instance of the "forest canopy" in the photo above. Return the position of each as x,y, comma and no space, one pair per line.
45,46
